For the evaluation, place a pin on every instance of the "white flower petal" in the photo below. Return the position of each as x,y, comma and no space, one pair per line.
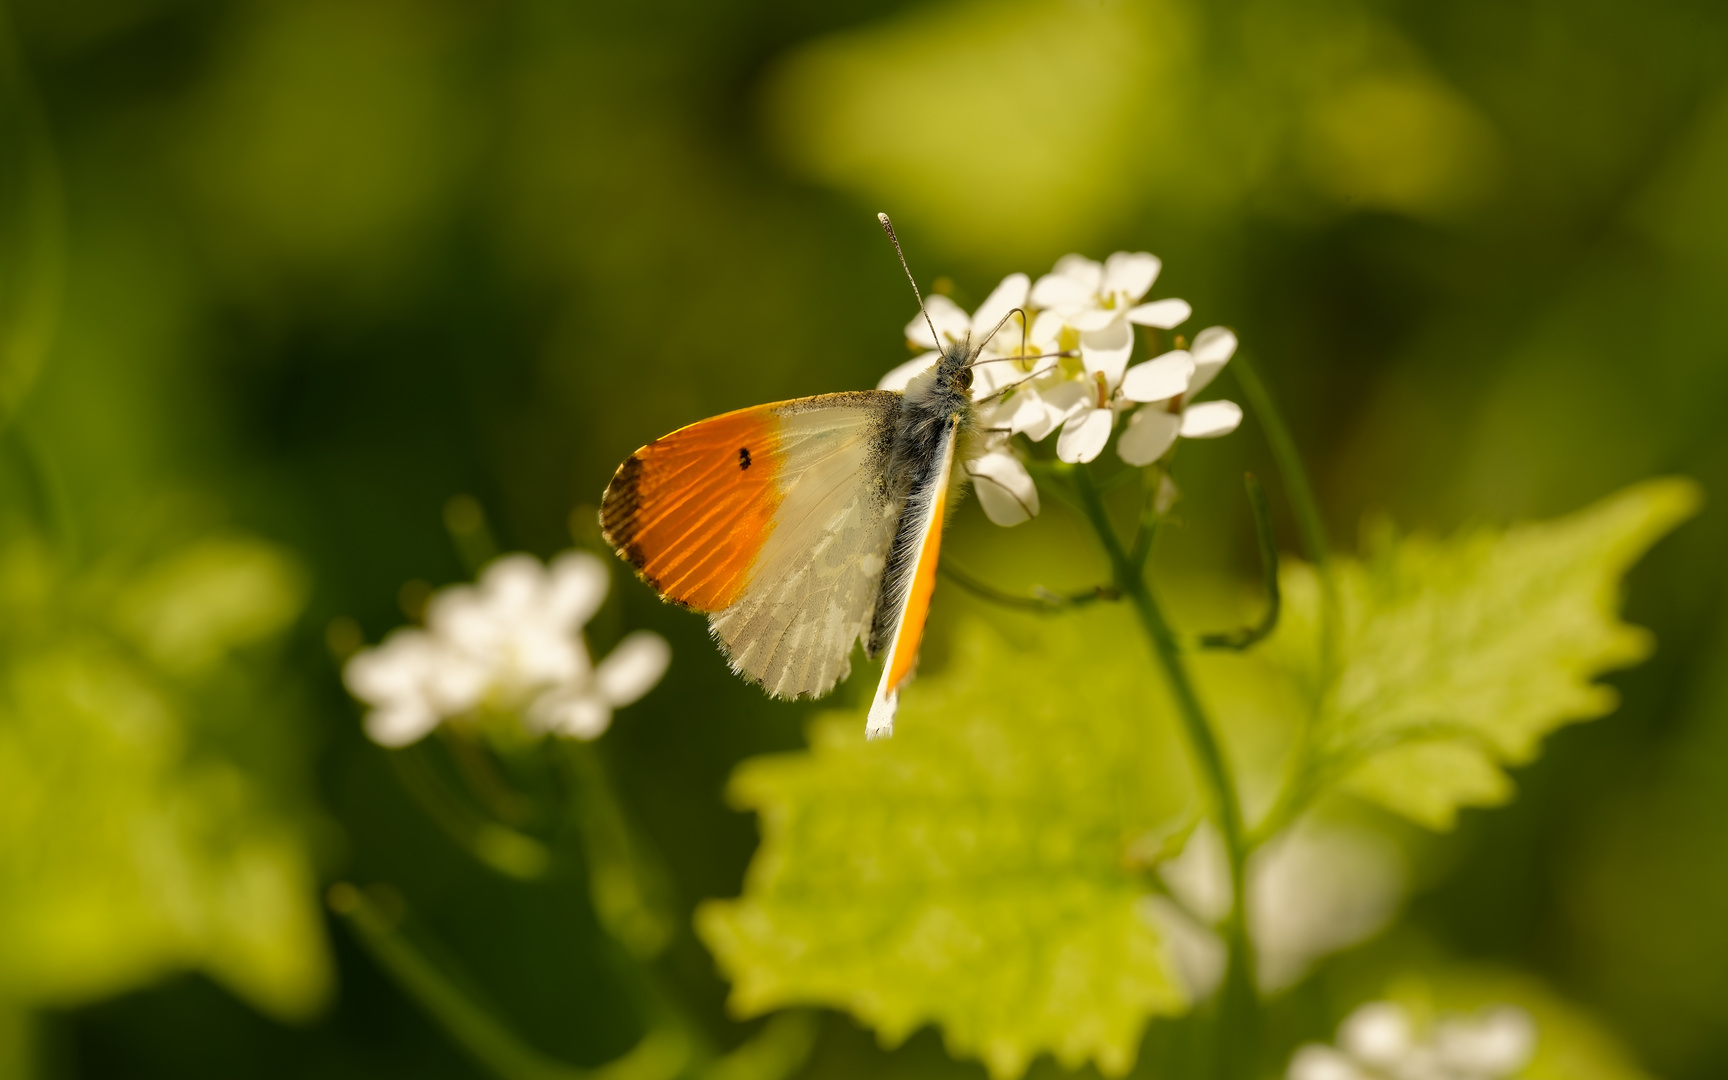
579,581
399,725
1213,347
1131,273
1072,286
1163,314
1084,436
1317,889
1007,296
1150,433
538,654
460,616
1210,419
1029,413
1106,351
1005,488
512,582
1500,1043
1200,955
576,711
457,684
1200,876
911,369
633,668
1064,399
1092,319
1047,332
1316,1062
1088,273
393,670
951,323
1378,1033
1160,378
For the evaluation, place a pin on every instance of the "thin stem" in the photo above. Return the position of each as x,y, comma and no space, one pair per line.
480,773
1042,600
1239,1007
780,1049
1289,461
626,881
1150,515
661,1054
1249,635
498,846
1298,784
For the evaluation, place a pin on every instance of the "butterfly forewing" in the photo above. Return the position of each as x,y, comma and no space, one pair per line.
776,521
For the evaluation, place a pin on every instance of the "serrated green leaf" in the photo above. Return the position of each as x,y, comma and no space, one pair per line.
980,870
1457,657
133,843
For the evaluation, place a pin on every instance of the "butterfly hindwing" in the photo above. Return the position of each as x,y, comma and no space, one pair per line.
775,520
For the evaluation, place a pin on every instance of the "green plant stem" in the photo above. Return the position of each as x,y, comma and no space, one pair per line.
1042,600
628,884
502,848
661,1055
1239,1006
1294,791
1250,635
1289,461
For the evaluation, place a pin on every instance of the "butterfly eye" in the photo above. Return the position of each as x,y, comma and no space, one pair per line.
964,379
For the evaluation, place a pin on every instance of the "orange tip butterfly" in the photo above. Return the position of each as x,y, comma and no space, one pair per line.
803,526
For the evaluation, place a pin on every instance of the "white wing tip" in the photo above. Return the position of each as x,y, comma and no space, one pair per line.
880,725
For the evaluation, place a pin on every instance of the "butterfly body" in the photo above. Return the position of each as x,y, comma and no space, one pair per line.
802,527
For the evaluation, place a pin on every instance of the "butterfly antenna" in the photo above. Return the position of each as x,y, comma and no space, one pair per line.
888,227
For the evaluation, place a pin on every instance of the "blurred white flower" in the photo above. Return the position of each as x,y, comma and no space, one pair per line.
582,707
1379,1041
412,680
1153,430
522,620
1318,888
510,643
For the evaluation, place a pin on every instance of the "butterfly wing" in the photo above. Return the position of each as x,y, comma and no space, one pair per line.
776,521
909,577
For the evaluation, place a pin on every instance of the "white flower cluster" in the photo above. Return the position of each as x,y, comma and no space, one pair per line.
511,643
1066,370
1379,1041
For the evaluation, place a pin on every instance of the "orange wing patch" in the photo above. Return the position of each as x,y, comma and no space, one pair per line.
691,511
918,601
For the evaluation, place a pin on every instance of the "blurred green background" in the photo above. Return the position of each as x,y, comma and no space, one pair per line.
281,277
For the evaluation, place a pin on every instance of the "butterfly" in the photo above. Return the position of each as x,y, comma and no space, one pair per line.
803,526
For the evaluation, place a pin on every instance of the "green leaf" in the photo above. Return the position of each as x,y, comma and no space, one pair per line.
984,869
1458,657
192,608
137,836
